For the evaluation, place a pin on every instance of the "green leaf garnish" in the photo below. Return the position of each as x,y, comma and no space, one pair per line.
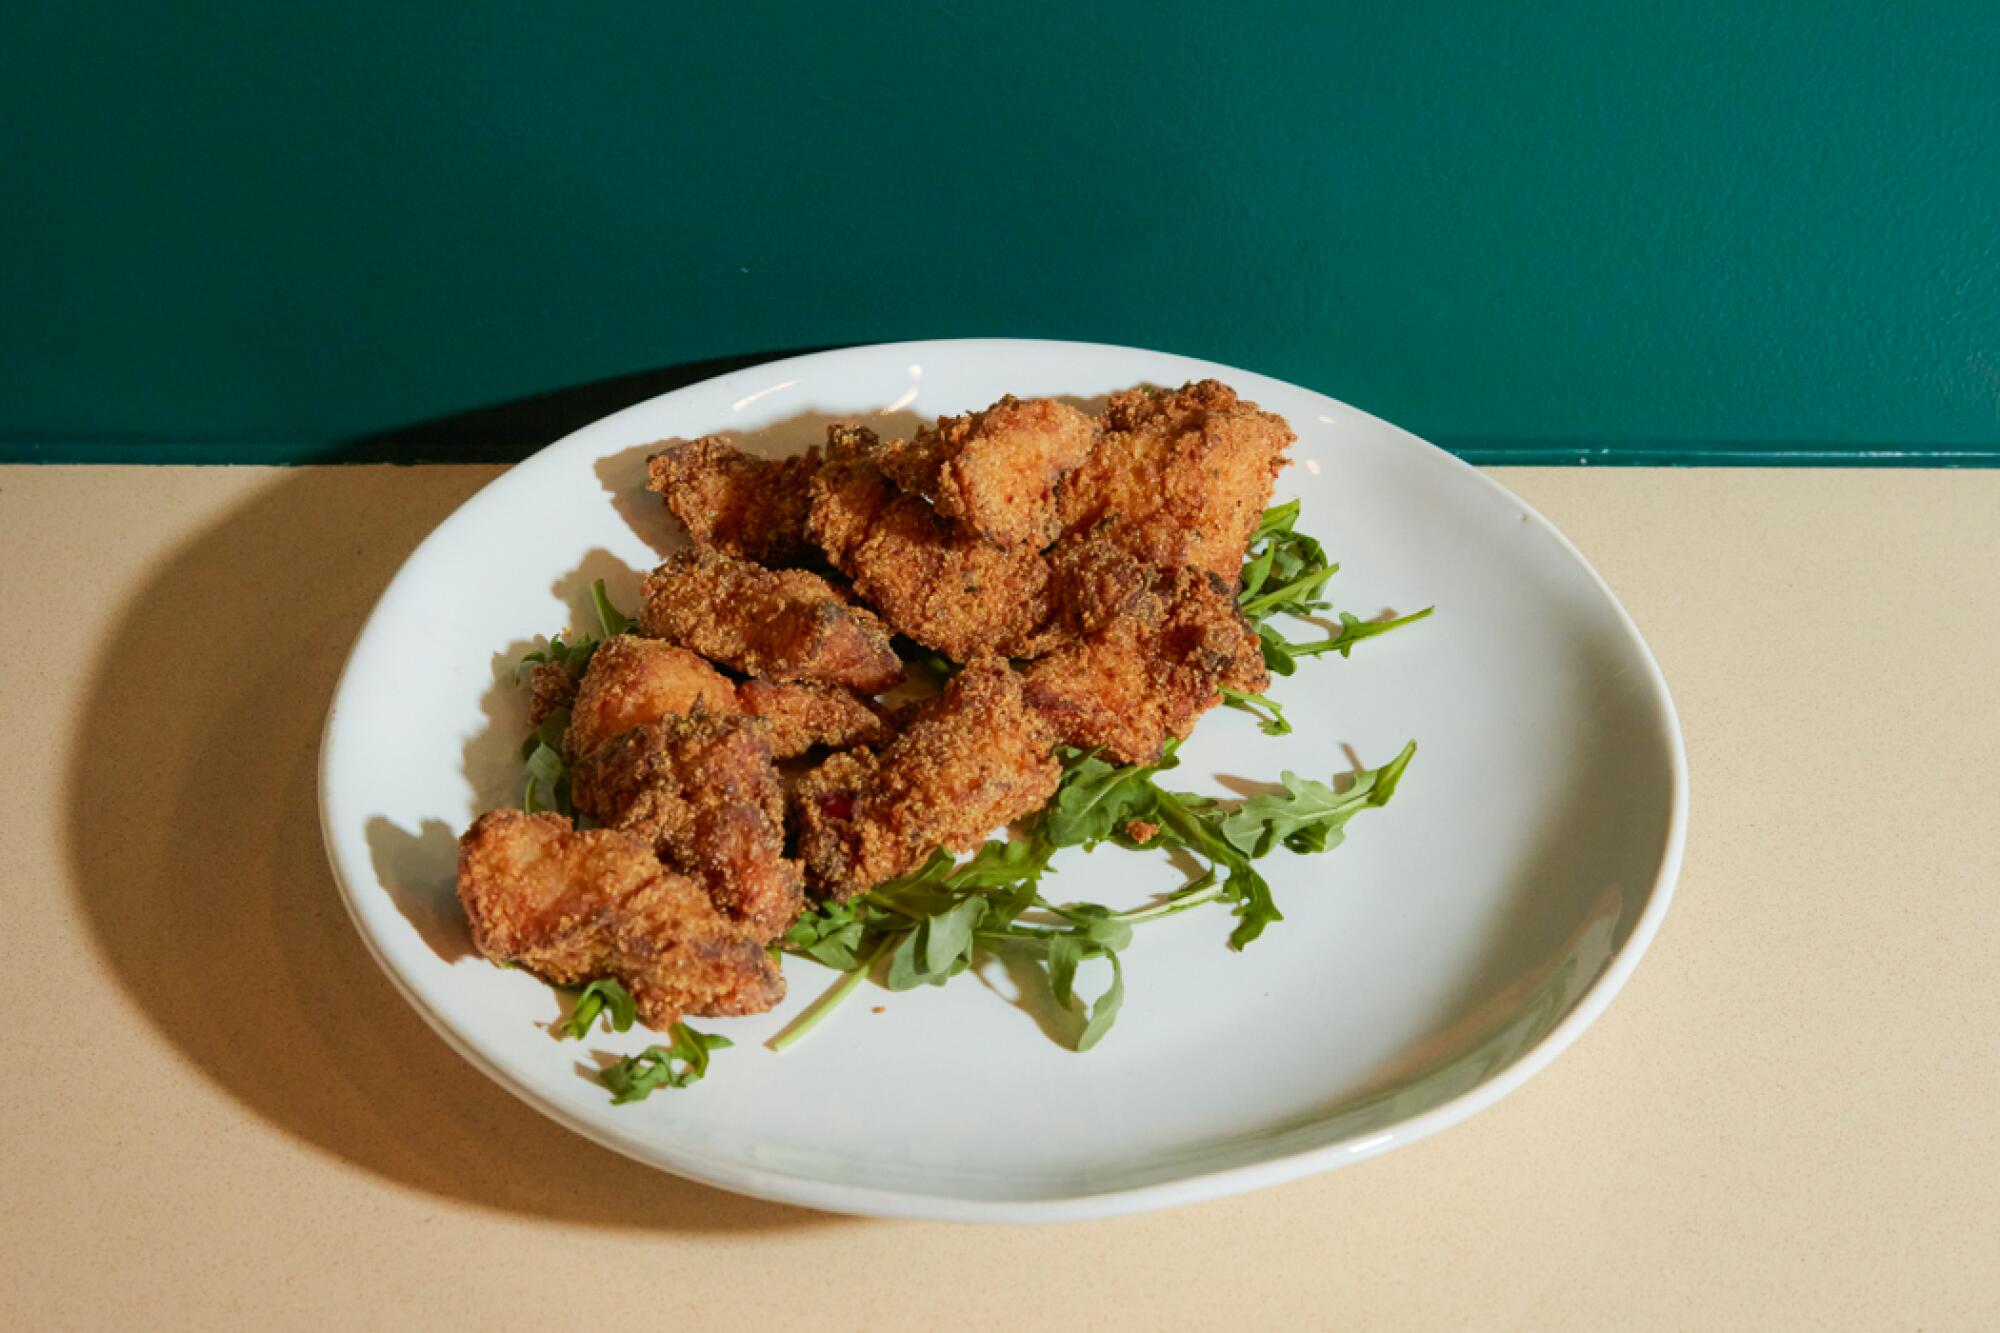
613,621
1270,717
1283,574
1353,629
548,773
1105,1011
599,995
1096,798
1310,816
679,1065
928,926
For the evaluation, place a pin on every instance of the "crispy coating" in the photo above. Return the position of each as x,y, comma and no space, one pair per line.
1150,672
1094,581
970,762
701,788
632,681
780,624
550,686
945,588
573,907
800,715
995,472
752,508
1179,478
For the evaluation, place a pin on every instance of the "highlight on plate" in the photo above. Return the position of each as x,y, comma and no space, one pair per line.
889,680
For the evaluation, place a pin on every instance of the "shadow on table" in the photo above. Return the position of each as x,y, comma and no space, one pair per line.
193,832
510,431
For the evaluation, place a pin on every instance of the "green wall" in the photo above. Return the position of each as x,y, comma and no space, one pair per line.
284,231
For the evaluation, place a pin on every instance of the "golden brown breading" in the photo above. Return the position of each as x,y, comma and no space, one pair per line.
995,472
1179,478
780,624
702,788
1149,673
550,686
752,508
573,907
970,762
946,589
1094,581
801,715
632,681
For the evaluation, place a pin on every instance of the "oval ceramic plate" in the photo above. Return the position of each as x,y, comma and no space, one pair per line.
1460,938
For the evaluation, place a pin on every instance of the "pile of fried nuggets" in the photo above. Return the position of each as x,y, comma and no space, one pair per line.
1083,570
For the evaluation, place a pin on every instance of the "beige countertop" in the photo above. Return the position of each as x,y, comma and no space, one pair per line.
217,1113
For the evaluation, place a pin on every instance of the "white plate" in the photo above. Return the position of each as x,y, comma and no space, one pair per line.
1462,937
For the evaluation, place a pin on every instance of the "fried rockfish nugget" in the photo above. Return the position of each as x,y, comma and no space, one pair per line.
702,789
1150,671
632,681
752,508
800,715
995,472
573,907
1179,478
972,760
781,624
947,589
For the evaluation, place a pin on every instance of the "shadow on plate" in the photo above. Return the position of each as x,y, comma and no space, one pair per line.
193,836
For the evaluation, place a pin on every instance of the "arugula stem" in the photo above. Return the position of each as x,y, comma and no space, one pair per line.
1270,717
1366,629
1171,906
827,1003
1189,896
580,1019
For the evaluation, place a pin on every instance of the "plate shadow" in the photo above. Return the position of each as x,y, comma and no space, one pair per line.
192,832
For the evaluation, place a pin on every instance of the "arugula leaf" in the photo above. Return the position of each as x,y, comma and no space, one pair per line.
596,997
1105,1011
1277,651
1295,593
1255,907
947,937
831,935
907,966
574,656
1283,569
1095,799
1310,816
1276,519
1270,717
571,657
614,621
1001,862
1283,573
548,773
1196,820
679,1065
1064,953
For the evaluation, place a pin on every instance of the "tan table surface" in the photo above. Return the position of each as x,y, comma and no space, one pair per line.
216,1112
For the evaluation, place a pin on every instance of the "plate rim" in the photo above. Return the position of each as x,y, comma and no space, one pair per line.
877,1201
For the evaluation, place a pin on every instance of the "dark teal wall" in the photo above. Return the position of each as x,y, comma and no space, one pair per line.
269,230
